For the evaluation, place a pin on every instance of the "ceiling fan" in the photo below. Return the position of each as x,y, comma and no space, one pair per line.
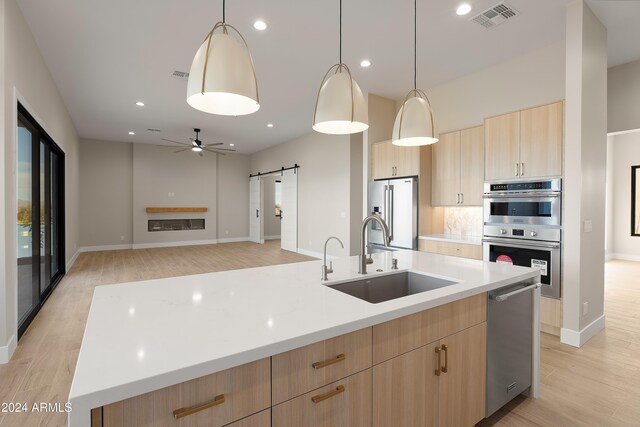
196,145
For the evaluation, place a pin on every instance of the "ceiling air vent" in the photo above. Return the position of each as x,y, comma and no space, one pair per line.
496,15
153,130
180,75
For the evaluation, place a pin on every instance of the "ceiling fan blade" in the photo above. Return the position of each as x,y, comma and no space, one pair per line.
175,142
214,151
214,144
180,151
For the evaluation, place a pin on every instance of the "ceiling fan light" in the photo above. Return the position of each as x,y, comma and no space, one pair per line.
340,108
196,149
414,123
222,78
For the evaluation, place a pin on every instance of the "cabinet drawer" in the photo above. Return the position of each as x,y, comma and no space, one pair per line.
261,419
398,336
344,403
451,248
303,369
245,390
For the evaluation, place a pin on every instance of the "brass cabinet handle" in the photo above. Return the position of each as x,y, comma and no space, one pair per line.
338,358
439,359
183,412
445,348
320,397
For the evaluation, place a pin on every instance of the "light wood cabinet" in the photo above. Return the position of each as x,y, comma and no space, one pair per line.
344,403
458,168
303,369
214,400
462,386
463,250
405,389
261,419
525,144
391,161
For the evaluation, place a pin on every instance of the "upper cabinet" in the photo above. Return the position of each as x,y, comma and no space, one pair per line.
525,144
390,161
457,168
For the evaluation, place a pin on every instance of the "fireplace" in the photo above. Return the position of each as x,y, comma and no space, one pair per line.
175,224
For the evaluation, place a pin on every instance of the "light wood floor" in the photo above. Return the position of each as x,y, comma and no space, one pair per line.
42,367
597,385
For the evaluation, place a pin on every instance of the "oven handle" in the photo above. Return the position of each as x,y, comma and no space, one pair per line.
509,243
518,195
505,296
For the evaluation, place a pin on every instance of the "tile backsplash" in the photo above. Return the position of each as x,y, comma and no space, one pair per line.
463,220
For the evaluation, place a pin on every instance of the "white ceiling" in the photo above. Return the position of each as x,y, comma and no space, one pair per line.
621,19
106,55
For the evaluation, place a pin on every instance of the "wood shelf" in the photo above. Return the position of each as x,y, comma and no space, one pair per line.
163,210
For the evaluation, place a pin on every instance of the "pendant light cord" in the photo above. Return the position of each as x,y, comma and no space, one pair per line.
224,11
415,43
340,61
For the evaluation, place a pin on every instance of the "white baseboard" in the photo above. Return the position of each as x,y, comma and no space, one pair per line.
7,351
608,257
233,239
625,257
73,259
272,237
173,244
105,248
579,338
313,254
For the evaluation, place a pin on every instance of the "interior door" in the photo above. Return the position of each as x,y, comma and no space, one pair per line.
289,211
256,208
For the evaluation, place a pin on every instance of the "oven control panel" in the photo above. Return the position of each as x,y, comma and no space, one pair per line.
516,232
551,234
553,185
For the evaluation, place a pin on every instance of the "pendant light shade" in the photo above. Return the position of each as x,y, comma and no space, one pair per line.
340,107
414,122
222,79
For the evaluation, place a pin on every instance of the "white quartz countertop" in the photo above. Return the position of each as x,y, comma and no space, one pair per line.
143,336
454,238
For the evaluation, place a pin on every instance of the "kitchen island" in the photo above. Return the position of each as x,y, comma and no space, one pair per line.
148,336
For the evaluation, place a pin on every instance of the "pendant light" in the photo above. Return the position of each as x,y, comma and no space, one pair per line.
222,79
414,122
340,105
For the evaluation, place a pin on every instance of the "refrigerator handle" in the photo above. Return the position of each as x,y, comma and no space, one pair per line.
390,213
386,204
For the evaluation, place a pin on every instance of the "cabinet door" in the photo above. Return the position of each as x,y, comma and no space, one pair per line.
261,419
462,388
344,403
472,165
406,160
445,170
405,389
541,136
502,141
382,161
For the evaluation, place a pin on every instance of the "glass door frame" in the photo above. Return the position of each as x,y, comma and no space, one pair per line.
40,136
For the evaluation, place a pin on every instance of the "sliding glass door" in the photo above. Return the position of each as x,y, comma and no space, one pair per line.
40,183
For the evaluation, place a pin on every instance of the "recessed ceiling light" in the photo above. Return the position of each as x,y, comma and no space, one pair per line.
232,145
132,133
269,125
260,25
365,63
463,9
140,104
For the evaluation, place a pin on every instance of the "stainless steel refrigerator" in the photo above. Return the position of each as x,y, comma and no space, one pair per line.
396,200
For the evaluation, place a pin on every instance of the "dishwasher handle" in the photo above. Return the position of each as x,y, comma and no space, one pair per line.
505,296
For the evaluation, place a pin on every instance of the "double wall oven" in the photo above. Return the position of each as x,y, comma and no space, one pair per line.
523,226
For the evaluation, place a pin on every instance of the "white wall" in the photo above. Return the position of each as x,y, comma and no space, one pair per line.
624,97
106,193
625,152
25,77
608,231
585,174
233,197
323,187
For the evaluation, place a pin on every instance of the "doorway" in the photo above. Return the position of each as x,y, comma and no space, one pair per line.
40,217
273,208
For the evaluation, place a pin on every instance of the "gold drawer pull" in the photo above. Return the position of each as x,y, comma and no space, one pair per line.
320,397
439,360
445,348
183,412
338,358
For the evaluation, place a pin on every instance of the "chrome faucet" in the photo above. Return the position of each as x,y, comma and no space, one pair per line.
328,270
385,236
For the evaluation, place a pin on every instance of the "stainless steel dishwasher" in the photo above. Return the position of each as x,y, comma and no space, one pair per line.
509,343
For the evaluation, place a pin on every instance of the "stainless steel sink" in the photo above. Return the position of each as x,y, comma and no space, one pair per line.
385,288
